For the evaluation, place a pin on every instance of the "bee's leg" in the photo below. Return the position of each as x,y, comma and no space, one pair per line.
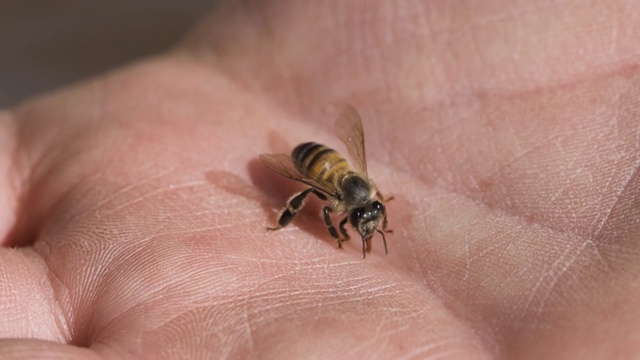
366,247
382,198
343,230
332,229
294,204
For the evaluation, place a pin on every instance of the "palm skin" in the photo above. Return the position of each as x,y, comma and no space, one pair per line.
507,133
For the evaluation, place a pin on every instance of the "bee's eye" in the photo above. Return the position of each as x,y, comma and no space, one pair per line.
355,216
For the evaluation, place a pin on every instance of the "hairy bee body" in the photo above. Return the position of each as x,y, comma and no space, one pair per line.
327,166
323,162
332,179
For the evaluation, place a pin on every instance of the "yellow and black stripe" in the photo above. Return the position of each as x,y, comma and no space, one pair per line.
319,162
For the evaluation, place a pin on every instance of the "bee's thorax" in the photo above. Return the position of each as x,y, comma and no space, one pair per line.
356,190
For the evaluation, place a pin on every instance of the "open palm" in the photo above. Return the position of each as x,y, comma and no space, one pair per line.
508,134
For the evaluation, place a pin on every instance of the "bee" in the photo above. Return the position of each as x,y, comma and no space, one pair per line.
347,189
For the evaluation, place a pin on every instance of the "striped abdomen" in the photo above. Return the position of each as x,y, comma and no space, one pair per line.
319,162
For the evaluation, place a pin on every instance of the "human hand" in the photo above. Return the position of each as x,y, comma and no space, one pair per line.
508,134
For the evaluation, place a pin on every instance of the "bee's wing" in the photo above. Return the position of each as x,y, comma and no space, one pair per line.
349,130
282,164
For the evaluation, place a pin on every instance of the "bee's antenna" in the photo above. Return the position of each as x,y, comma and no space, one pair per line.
384,240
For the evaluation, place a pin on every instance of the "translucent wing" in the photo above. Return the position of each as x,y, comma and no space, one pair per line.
349,130
282,164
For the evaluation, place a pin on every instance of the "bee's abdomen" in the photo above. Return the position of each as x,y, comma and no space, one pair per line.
319,161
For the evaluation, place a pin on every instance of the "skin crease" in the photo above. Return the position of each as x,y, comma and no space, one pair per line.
134,208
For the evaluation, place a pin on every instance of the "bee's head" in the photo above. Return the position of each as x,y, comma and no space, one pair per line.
366,220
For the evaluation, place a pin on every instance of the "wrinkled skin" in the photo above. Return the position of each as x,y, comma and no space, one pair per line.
134,209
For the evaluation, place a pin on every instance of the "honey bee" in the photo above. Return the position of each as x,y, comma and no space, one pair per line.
348,190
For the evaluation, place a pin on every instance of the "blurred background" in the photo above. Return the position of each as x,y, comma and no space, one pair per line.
45,44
